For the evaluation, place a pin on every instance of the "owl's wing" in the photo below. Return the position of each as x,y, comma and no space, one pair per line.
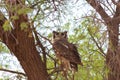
67,50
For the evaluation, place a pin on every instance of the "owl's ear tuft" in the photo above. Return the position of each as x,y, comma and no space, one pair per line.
54,34
54,31
65,32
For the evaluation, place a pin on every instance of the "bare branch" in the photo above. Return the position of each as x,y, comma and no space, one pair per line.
116,17
38,2
55,7
35,16
42,47
101,50
114,2
110,5
56,70
100,20
11,71
45,39
96,5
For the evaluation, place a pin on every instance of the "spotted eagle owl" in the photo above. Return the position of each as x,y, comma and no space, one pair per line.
65,51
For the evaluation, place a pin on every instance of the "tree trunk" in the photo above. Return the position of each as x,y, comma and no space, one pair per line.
21,43
113,55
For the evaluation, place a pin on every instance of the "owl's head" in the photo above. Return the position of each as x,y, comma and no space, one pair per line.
59,35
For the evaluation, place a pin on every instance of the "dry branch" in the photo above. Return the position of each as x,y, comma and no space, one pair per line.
96,5
11,71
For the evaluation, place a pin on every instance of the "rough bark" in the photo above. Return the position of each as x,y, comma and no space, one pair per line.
113,54
21,43
112,23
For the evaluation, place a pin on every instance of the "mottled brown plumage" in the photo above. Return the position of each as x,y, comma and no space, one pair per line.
66,52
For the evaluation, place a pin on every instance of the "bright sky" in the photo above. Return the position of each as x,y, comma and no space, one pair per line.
9,61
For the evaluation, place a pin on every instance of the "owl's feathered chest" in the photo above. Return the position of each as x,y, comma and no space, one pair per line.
67,50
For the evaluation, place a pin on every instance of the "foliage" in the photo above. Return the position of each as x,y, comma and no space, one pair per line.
94,66
7,26
23,26
93,59
3,48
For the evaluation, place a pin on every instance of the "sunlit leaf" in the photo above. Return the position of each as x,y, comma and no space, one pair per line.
24,25
7,26
24,10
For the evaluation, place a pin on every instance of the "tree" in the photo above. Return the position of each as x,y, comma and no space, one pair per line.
21,41
19,34
111,19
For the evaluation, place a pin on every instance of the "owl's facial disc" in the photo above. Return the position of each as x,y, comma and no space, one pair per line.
59,35
55,34
65,34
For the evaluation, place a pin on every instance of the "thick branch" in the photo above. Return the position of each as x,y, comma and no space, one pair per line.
116,17
25,50
114,2
5,35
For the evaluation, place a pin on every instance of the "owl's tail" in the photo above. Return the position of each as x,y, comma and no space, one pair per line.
74,66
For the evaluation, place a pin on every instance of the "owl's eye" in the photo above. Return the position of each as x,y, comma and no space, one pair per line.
62,34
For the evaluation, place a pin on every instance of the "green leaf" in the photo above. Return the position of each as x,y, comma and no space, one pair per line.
24,10
50,35
7,26
3,48
66,26
23,25
14,17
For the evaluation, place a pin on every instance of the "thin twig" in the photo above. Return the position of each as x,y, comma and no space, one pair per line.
103,54
11,71
42,47
114,2
57,69
45,38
